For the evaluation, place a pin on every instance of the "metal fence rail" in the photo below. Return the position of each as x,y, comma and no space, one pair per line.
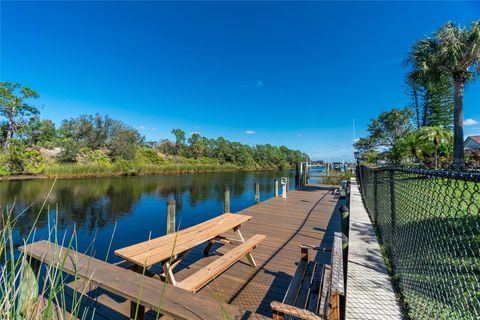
429,222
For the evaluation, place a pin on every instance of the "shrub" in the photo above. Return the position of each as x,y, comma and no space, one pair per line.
87,155
34,162
124,166
70,149
147,156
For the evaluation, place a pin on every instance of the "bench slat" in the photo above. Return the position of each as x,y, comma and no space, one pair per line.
292,291
202,277
323,305
304,292
148,292
294,311
316,288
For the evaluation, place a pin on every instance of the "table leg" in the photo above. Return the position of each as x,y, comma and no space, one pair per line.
248,255
167,268
209,246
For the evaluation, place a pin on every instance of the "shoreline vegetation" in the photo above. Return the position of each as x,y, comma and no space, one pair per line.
99,146
76,170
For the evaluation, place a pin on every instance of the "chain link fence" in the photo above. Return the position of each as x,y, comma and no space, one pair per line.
429,222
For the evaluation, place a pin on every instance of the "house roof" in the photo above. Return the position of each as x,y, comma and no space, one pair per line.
474,138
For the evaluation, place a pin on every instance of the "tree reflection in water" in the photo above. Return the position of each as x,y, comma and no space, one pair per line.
136,204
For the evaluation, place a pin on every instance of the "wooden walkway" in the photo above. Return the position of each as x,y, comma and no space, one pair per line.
307,217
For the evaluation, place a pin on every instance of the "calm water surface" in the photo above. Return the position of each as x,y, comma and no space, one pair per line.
136,205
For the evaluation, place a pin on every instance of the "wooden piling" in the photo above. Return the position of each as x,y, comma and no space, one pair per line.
257,193
226,203
275,192
297,175
171,212
305,173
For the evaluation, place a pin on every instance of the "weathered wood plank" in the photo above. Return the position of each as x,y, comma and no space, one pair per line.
148,292
200,278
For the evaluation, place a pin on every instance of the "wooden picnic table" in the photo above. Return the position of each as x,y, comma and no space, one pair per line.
169,250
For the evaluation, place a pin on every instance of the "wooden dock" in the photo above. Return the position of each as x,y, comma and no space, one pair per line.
309,216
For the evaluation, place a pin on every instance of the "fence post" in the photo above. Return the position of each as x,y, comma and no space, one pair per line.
171,208
275,192
257,193
226,203
375,197
393,216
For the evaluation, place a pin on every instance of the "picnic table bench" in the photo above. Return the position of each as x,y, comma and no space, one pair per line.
315,290
143,292
170,249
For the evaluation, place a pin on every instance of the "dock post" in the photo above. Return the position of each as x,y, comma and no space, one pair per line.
226,204
275,193
297,175
305,168
257,193
171,212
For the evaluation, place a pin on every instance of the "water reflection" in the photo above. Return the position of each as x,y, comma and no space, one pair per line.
136,204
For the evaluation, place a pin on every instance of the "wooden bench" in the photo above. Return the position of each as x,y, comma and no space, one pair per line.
143,292
315,290
202,277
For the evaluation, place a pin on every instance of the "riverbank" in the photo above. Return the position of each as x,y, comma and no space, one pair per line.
92,170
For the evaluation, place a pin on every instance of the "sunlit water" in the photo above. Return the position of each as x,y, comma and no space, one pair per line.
133,207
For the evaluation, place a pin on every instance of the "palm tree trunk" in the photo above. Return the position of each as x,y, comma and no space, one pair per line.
417,107
458,149
435,157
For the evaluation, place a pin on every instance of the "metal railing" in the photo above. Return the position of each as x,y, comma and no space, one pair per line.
429,223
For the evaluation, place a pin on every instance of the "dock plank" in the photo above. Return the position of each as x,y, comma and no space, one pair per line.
308,216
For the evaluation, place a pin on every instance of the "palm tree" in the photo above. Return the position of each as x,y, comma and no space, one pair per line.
422,59
458,54
412,145
437,136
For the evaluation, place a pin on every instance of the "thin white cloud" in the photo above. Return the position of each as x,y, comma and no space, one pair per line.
257,84
299,135
250,132
144,128
470,122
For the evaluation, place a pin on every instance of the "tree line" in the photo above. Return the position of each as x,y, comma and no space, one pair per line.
30,142
430,129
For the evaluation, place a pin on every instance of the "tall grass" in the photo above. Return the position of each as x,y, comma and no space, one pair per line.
131,169
50,293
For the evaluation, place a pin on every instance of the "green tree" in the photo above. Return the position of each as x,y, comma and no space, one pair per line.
123,141
14,107
179,141
431,91
458,55
386,131
437,136
89,131
39,132
196,145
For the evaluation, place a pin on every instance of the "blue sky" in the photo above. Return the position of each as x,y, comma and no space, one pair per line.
257,72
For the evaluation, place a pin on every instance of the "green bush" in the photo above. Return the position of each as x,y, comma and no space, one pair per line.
145,156
87,155
34,162
125,167
70,149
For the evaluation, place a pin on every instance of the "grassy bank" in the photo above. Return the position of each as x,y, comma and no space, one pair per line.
131,169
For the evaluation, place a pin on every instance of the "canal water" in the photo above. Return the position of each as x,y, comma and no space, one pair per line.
125,210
